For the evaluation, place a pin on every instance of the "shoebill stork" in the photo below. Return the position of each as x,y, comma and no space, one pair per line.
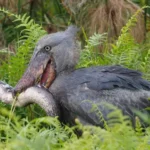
52,66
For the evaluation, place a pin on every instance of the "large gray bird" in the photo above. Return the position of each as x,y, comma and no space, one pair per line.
76,91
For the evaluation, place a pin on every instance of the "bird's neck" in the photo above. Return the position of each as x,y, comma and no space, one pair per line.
58,85
66,71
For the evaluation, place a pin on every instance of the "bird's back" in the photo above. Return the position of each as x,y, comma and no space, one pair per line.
108,78
96,86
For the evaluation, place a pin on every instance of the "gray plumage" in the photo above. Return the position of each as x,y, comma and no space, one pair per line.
122,87
76,90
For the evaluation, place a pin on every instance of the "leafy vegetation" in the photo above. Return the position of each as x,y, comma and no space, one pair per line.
47,133
126,51
30,34
17,132
49,14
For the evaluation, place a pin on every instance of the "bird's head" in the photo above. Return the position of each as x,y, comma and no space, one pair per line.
53,54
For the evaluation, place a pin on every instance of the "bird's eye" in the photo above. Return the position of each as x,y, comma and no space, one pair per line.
47,48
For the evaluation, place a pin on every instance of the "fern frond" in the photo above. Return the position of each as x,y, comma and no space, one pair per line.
90,56
12,70
126,51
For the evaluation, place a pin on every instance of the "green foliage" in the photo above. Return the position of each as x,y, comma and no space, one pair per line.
124,52
43,133
90,55
49,13
48,133
12,70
